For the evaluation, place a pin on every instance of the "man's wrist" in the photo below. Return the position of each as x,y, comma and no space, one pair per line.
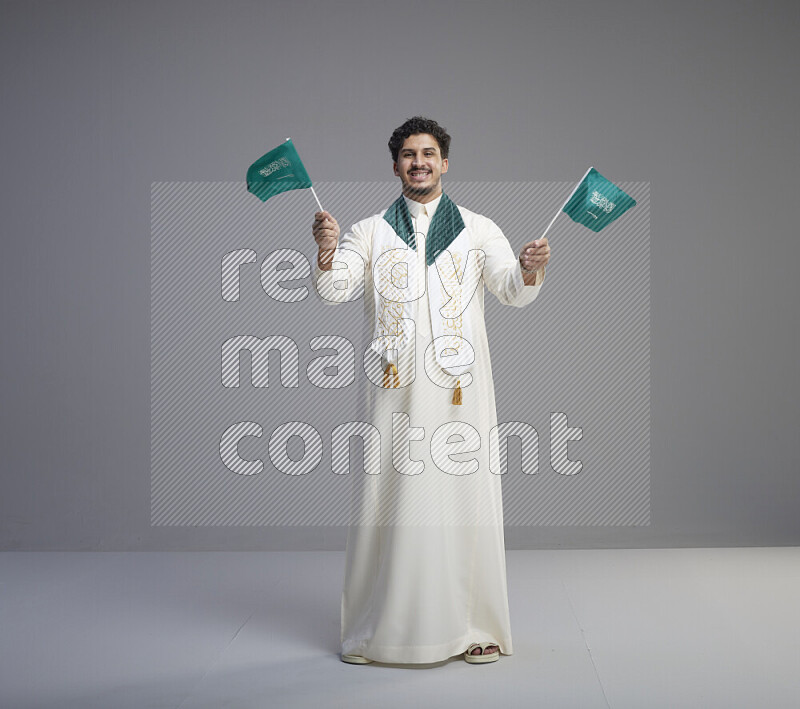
531,278
324,260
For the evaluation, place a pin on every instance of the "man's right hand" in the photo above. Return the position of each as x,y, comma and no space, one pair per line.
326,234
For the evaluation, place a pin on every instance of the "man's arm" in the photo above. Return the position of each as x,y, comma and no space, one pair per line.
351,253
502,271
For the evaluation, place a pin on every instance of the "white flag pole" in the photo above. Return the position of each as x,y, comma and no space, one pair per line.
566,201
316,198
552,221
311,188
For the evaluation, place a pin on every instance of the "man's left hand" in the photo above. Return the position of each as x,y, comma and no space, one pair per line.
535,254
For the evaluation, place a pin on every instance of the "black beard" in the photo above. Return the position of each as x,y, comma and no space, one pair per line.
413,190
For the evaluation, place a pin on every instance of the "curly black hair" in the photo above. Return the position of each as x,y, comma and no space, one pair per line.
415,126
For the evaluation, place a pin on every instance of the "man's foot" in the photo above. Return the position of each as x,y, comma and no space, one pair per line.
356,659
482,652
489,650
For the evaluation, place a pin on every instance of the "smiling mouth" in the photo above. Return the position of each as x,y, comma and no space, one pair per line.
419,173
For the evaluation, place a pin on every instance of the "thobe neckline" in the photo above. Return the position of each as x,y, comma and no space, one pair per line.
446,223
416,207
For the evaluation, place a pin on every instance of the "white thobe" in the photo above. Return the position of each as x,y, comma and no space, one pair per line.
425,571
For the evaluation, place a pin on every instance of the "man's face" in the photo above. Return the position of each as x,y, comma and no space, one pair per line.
420,167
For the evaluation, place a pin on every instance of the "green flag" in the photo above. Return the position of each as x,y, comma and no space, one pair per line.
280,170
596,202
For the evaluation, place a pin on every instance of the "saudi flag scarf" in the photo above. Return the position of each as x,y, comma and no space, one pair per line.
453,274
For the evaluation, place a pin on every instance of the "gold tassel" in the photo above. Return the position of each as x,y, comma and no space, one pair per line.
387,373
457,393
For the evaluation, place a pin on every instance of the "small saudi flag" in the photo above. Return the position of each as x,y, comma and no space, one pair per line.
596,202
280,170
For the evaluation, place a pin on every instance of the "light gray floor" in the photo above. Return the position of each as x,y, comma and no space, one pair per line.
601,628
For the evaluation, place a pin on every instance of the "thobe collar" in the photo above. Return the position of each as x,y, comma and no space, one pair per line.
446,223
416,208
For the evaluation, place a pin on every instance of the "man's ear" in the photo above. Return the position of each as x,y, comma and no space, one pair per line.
394,167
444,165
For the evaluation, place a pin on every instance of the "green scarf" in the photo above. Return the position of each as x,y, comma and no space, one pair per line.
445,226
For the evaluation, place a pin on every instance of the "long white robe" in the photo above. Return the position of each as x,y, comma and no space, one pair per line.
425,571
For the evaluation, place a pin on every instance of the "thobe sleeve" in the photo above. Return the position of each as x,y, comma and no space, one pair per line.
501,270
351,259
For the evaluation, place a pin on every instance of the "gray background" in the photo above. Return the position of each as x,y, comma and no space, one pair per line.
101,99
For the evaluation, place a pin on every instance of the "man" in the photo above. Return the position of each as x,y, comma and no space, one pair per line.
425,575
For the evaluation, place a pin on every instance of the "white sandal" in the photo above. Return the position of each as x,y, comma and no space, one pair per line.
477,659
356,659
